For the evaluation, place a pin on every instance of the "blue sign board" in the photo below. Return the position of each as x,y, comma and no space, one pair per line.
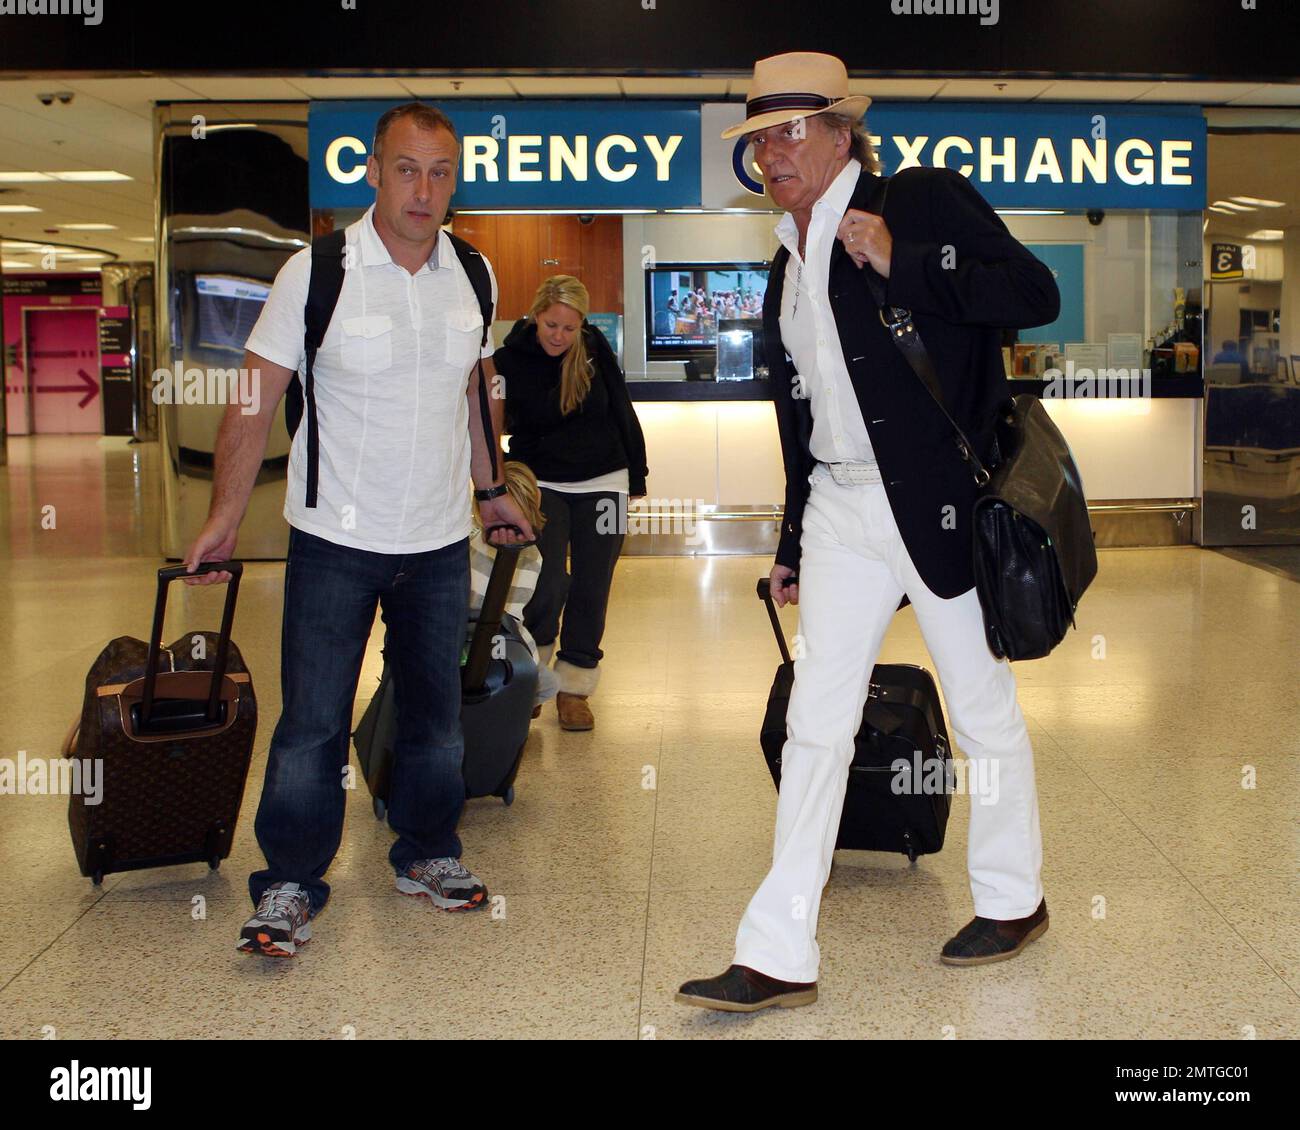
1070,156
1097,155
528,154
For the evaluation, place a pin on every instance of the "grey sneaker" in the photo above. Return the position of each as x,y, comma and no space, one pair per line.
280,924
444,882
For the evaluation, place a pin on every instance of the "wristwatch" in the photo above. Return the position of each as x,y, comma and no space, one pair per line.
490,493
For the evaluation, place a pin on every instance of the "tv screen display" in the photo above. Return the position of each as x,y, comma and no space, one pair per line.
228,309
686,301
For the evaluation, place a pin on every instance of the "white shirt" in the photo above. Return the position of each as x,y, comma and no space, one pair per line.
617,481
808,328
390,376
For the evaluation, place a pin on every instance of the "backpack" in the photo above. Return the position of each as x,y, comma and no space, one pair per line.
322,296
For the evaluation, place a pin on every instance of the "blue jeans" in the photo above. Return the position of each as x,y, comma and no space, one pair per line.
330,595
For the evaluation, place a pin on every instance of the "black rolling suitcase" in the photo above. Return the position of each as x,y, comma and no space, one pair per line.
886,807
173,729
498,685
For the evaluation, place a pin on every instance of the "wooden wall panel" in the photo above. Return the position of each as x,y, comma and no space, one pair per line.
519,247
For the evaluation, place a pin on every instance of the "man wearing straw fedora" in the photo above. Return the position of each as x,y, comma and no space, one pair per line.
878,503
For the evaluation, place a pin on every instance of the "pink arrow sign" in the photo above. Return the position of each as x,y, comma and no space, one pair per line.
89,386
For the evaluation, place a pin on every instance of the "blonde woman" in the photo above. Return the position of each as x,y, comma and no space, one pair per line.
571,420
522,486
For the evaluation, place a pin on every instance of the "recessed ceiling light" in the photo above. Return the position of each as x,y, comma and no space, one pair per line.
80,254
17,208
87,175
1266,233
23,178
1221,211
13,265
1030,211
1259,203
18,245
88,227
1232,207
140,239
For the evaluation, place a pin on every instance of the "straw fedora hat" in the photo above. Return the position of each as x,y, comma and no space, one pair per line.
797,85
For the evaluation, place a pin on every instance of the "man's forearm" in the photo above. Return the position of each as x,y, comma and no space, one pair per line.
241,446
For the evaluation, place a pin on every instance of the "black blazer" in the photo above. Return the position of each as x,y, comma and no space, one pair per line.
965,278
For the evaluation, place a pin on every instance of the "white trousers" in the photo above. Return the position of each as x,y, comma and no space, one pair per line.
853,571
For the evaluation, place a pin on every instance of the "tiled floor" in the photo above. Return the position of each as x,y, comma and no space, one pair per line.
631,851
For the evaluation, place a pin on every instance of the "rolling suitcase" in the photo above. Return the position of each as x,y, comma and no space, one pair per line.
498,685
901,778
173,728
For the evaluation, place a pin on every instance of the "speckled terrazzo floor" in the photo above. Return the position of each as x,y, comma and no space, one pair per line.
1172,889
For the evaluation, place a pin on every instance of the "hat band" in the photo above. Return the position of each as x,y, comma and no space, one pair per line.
769,102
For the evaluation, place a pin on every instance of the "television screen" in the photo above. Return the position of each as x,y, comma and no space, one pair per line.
686,301
228,309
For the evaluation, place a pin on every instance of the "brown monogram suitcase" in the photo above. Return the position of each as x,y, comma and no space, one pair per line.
173,728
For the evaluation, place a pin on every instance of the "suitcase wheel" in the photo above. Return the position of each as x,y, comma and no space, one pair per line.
214,863
381,809
509,796
909,847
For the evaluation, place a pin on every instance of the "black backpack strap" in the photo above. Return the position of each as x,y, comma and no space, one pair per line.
322,296
476,268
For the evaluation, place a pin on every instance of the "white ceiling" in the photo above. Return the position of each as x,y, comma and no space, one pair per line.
108,125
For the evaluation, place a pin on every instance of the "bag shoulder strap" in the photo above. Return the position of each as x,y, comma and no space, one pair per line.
327,269
903,333
476,268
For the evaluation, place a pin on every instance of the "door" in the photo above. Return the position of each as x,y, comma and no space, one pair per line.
63,371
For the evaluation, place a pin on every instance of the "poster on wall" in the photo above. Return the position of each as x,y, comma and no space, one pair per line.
1065,261
1226,262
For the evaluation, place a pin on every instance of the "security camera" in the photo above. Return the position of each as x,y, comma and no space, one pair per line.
586,219
1095,217
46,99
65,97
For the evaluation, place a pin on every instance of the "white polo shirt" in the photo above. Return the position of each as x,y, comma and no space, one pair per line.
808,328
390,376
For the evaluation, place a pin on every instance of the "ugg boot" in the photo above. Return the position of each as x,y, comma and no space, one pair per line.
574,712
576,683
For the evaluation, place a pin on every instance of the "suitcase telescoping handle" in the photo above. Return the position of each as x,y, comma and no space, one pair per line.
165,578
494,607
765,595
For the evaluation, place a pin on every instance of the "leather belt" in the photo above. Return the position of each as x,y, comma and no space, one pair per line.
854,474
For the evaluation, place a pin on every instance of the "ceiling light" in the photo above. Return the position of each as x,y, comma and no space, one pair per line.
23,178
14,265
1266,233
1259,203
1221,211
17,208
1030,211
81,254
79,176
140,239
1232,207
88,227
18,245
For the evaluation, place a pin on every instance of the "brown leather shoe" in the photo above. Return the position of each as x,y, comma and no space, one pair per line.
985,940
741,989
574,712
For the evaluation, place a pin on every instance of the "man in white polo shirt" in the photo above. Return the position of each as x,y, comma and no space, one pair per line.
399,430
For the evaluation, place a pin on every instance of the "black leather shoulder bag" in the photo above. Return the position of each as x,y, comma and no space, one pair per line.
1034,551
